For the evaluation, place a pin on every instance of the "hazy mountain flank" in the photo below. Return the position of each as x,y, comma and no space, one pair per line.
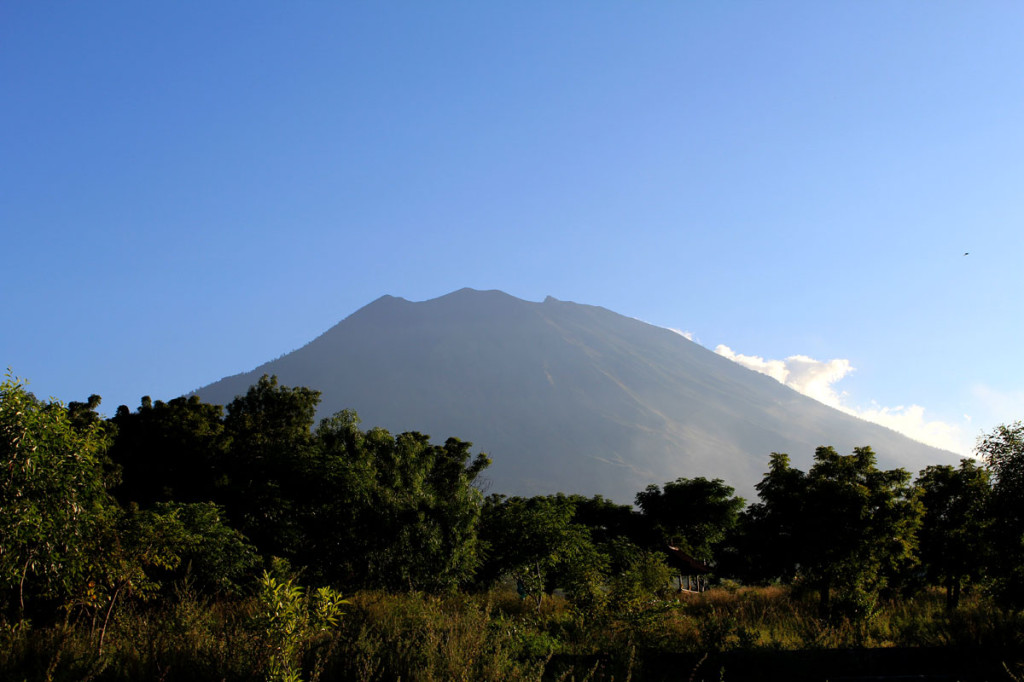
566,397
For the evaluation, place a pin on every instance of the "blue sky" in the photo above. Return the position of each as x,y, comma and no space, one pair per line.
190,189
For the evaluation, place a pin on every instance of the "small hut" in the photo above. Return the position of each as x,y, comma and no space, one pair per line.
691,573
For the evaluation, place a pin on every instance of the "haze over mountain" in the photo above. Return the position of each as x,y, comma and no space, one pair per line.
566,397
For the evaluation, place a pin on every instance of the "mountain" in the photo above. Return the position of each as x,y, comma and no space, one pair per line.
567,397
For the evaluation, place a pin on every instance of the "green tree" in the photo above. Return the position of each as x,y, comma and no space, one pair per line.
536,542
170,451
1002,450
635,574
214,557
83,416
292,622
132,548
955,528
137,552
268,465
53,496
609,522
845,529
695,515
392,511
858,529
770,536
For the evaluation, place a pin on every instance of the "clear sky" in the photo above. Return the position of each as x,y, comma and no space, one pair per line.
189,189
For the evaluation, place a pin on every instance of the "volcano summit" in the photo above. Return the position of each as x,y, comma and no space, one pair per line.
567,397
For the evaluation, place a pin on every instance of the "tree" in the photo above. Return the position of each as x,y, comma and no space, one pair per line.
84,415
955,527
170,451
1002,450
392,511
267,468
857,530
770,540
53,496
135,548
609,522
214,557
845,529
694,515
535,541
635,574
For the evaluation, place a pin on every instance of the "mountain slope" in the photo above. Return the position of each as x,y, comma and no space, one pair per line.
566,397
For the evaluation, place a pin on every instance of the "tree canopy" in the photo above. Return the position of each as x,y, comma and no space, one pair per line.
844,527
54,502
392,511
1002,450
955,530
94,512
693,514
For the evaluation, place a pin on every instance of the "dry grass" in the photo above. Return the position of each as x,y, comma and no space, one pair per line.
489,636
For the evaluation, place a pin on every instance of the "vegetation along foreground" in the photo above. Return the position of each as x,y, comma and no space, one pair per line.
191,541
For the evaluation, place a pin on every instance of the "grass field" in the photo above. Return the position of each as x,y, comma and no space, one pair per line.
720,635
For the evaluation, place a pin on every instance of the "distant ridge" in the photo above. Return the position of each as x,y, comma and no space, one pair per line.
566,397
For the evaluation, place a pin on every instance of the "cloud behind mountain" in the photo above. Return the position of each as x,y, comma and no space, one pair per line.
817,379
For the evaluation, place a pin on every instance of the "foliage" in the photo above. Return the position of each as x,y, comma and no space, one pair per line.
170,451
849,528
156,588
438,638
694,515
268,464
860,524
609,522
495,636
53,497
212,556
292,621
392,511
637,574
1003,453
771,532
535,542
956,525
139,552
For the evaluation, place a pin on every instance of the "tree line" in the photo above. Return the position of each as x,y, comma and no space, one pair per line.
95,512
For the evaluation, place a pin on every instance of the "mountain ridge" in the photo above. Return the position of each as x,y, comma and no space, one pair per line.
566,396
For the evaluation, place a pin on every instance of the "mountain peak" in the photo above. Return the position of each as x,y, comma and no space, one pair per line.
566,398
466,293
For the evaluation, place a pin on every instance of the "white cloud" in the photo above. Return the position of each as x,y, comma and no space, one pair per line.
686,335
911,421
816,379
776,369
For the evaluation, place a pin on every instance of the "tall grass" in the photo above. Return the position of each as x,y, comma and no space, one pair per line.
489,636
